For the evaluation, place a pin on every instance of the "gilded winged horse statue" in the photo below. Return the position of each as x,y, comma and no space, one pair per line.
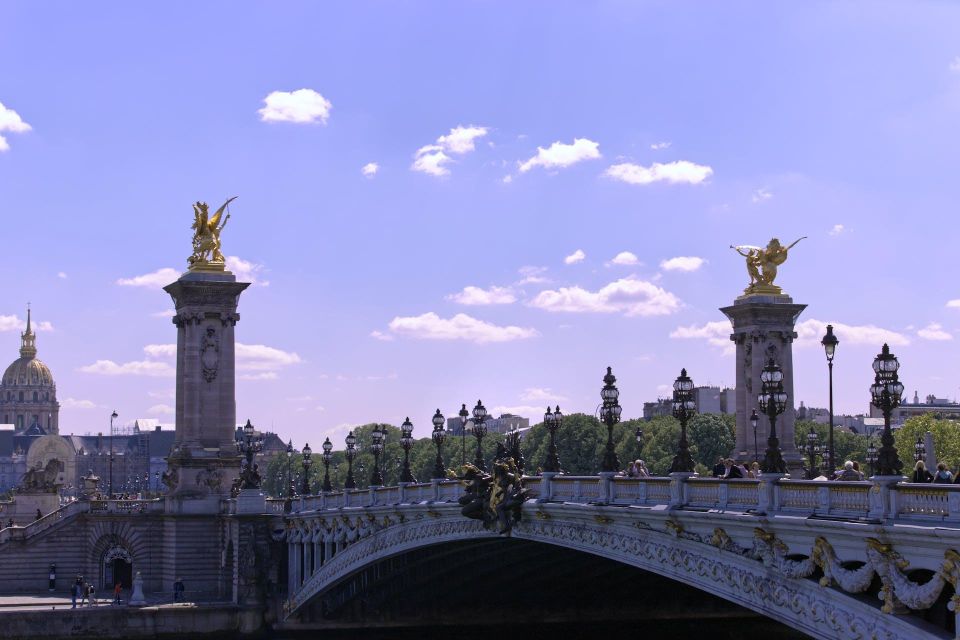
206,237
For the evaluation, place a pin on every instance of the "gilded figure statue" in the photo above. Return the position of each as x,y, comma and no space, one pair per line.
762,263
206,237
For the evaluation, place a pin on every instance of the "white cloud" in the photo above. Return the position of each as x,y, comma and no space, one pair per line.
166,394
682,263
559,155
370,169
263,375
160,350
625,258
716,333
258,357
246,271
134,368
761,195
433,158
953,304
477,296
657,146
300,106
809,333
62,275
154,280
430,326
11,121
934,331
630,296
836,230
524,411
14,323
954,65
532,275
379,335
507,179
680,171
72,403
161,409
166,313
575,257
540,394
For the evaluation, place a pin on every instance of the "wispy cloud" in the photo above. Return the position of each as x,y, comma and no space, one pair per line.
560,155
15,323
380,335
62,275
761,195
677,172
532,275
10,121
370,169
433,159
133,368
430,326
953,304
575,257
657,146
809,333
153,280
682,263
246,271
955,65
629,296
477,296
161,409
934,331
541,394
836,230
73,403
302,106
625,258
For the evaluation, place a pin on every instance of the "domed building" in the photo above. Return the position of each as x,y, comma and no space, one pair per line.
28,394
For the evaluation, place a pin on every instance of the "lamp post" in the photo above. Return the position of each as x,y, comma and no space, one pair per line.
350,453
872,456
683,408
812,449
464,416
552,421
773,402
376,448
406,441
830,343
113,416
249,446
326,456
885,393
919,450
754,421
290,487
307,461
610,414
479,431
638,434
156,482
438,436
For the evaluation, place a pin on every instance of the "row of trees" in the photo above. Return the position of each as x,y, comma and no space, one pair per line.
581,441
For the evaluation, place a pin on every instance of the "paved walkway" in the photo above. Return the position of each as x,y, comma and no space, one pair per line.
58,601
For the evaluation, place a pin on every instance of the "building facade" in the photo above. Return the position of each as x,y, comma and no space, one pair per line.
28,393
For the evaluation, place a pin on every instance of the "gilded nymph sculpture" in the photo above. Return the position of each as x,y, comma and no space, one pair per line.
206,237
762,265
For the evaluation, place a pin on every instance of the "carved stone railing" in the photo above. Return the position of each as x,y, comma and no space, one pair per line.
46,522
125,507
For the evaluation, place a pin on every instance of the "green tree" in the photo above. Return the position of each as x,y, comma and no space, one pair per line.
946,439
847,445
713,435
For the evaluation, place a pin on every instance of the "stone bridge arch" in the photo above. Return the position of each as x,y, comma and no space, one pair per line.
765,577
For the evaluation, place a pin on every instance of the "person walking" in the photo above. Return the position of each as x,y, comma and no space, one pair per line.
178,588
117,589
719,469
920,473
92,596
75,592
84,593
942,476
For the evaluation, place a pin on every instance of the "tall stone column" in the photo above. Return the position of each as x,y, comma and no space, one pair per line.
763,328
204,460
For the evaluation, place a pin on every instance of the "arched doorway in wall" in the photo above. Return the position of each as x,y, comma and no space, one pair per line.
116,566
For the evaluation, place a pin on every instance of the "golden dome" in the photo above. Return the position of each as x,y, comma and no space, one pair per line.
27,370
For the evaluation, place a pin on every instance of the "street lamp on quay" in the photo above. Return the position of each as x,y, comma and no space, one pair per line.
406,441
552,420
327,456
290,487
376,448
479,431
350,453
773,402
438,436
464,416
885,393
610,415
754,421
113,416
638,434
872,456
919,450
683,408
813,448
830,343
307,461
248,446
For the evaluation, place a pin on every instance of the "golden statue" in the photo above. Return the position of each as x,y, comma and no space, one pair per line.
762,265
206,237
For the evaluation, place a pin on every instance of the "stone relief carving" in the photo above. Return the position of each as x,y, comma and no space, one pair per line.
210,354
210,479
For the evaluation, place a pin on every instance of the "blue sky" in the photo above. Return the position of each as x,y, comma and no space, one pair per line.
506,137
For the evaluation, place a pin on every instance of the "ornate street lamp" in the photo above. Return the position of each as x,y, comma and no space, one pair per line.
464,416
552,421
885,393
813,448
376,448
610,414
872,456
438,436
307,461
479,431
351,453
290,486
113,416
249,446
406,441
638,434
327,457
754,421
919,450
830,343
683,408
773,402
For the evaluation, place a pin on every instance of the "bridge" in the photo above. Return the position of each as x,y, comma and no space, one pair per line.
871,559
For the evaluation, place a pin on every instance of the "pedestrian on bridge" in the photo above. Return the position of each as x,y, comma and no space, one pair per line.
920,473
942,476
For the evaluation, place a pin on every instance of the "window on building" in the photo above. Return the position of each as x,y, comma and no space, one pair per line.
19,422
20,395
36,396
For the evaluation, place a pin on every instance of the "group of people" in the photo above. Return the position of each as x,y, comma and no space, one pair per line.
86,593
728,469
942,476
637,469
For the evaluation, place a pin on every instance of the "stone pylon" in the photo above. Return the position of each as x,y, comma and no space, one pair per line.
763,329
204,461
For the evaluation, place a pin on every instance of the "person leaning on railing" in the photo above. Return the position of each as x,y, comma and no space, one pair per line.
920,473
943,475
